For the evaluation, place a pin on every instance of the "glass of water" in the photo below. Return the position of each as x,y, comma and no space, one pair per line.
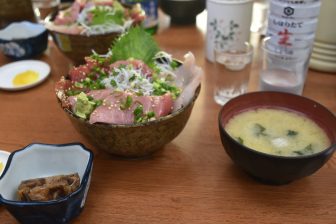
42,8
232,73
284,67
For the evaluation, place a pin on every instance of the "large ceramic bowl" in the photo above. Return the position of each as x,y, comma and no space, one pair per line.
42,160
270,168
134,140
78,46
22,40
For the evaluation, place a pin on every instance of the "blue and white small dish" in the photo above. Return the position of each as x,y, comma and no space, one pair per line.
42,160
22,40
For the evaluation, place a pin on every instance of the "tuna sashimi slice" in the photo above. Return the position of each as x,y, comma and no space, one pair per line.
60,88
111,113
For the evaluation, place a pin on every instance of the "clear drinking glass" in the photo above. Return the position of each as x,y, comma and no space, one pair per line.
284,67
233,66
42,8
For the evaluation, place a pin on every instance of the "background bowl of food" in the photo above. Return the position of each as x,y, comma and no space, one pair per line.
132,103
22,40
277,137
182,12
45,183
88,26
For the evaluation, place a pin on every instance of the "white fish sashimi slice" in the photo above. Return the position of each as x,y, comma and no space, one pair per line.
188,77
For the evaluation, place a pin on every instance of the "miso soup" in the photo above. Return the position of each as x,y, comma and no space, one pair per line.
277,132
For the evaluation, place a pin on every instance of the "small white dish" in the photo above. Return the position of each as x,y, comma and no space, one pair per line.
324,45
9,71
323,57
318,50
3,159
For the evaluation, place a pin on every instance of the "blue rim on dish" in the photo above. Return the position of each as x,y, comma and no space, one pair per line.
54,211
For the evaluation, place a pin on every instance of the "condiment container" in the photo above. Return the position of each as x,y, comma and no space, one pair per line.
228,24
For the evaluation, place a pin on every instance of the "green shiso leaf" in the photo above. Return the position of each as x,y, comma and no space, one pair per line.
136,44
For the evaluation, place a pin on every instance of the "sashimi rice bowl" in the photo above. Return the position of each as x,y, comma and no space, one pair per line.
91,25
134,100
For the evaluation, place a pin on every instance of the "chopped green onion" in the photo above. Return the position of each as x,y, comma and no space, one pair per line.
298,153
113,83
174,64
78,85
305,151
98,102
259,129
150,115
127,103
138,112
115,73
73,92
132,78
291,133
240,140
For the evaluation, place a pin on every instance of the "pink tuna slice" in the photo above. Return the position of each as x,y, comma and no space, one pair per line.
78,74
111,113
100,94
60,88
69,15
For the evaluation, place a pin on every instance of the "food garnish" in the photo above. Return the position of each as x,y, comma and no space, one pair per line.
259,129
25,78
240,140
89,17
48,188
277,132
134,82
292,133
